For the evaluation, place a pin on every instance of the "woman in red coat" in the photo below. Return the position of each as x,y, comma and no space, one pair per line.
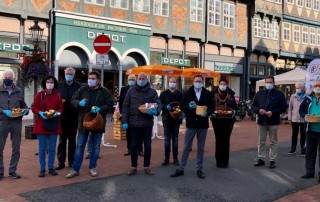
47,99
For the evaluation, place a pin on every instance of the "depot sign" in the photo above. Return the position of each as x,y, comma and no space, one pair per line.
175,61
13,47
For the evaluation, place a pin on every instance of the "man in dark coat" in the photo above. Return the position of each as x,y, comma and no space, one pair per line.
197,125
140,124
268,103
91,98
123,93
170,125
68,119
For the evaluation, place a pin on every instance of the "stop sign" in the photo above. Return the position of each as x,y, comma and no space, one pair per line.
102,44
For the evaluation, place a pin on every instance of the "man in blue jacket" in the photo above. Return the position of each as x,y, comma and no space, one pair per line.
268,103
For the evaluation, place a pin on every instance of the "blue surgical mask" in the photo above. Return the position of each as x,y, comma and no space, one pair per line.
198,85
7,82
222,87
141,83
269,86
131,83
172,85
69,77
92,82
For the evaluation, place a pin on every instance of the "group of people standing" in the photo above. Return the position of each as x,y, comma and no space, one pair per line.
71,101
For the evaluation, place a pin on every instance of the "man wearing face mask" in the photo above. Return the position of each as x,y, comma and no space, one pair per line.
123,93
170,125
140,124
91,98
196,125
310,105
11,97
268,103
68,119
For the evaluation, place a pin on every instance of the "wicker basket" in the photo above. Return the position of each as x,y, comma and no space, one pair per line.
16,112
201,110
223,112
145,109
176,114
93,122
312,118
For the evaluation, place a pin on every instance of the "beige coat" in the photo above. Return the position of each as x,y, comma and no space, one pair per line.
293,111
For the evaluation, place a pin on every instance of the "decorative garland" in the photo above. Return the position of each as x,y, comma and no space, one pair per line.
221,100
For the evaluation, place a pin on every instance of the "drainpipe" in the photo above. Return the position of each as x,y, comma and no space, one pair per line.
248,53
51,46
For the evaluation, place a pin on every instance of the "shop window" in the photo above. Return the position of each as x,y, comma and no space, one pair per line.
196,10
122,4
261,70
214,12
100,2
161,7
253,69
141,6
270,71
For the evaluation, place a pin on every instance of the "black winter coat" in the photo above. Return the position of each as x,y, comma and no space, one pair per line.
123,93
274,101
230,102
192,119
166,97
305,106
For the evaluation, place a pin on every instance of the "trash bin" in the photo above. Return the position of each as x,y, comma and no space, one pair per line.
28,132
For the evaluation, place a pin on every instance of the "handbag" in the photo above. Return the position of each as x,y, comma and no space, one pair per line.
49,124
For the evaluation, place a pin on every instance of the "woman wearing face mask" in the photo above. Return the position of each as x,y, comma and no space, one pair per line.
47,99
295,119
224,99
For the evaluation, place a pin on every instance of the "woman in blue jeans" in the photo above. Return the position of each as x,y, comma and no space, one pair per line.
47,99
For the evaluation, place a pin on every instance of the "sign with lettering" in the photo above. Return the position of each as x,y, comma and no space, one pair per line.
228,68
175,61
13,47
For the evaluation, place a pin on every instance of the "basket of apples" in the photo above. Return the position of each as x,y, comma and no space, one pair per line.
175,112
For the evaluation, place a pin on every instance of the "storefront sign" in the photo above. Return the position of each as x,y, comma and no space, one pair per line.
113,37
228,68
223,68
12,47
175,61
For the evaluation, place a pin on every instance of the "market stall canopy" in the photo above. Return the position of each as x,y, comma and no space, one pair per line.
155,69
191,72
290,77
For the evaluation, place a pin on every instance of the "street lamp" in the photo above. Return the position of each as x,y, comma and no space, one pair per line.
36,33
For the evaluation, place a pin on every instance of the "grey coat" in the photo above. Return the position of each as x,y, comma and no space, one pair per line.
14,100
135,97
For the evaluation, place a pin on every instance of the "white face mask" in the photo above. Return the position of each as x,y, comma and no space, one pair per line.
222,87
316,90
49,86
172,85
298,90
92,82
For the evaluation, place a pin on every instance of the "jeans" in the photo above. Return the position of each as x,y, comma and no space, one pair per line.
313,147
69,133
81,144
296,127
52,141
263,130
171,132
137,135
188,139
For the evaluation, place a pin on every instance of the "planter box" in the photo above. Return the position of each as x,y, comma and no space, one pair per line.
28,132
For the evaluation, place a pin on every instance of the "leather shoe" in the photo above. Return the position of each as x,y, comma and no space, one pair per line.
177,173
165,162
200,174
260,162
307,176
60,167
272,165
127,153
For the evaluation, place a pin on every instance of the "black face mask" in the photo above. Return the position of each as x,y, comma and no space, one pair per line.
7,82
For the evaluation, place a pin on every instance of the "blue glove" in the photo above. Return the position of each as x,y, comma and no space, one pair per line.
43,116
56,114
125,126
183,115
213,115
169,108
152,111
25,112
192,106
95,109
7,112
83,103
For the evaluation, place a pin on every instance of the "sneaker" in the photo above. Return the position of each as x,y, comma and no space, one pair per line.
87,156
148,171
93,172
72,174
291,152
1,176
52,172
42,173
14,175
132,171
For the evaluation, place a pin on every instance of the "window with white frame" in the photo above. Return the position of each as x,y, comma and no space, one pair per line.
161,7
318,37
141,6
290,1
257,27
312,36
296,33
100,2
278,1
274,31
316,5
196,10
228,15
308,4
122,4
305,35
286,31
214,12
300,3
266,28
